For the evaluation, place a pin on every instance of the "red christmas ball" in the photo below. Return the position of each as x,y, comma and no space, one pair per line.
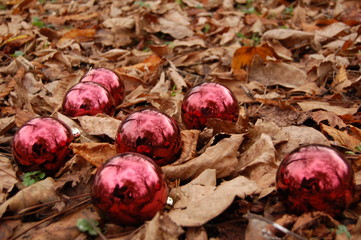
315,177
208,100
88,98
109,80
151,133
42,144
129,189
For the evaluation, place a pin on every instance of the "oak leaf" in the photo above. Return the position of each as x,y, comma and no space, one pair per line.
244,56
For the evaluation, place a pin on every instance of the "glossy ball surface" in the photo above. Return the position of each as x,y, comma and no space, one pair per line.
129,189
315,177
151,133
88,98
42,144
109,80
206,101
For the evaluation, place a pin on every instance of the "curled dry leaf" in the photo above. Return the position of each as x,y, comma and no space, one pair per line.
161,227
65,228
8,178
189,146
95,153
222,157
78,35
277,73
258,163
316,105
342,138
300,135
289,38
330,117
244,56
200,203
99,125
40,192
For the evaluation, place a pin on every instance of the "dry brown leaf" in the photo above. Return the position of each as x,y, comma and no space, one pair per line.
289,38
342,138
40,192
8,178
161,227
338,110
277,73
222,157
78,35
95,153
202,206
178,80
258,163
7,228
65,228
189,146
244,56
59,20
341,81
99,125
330,117
300,135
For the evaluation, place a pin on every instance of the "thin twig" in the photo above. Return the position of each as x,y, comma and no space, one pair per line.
275,225
51,217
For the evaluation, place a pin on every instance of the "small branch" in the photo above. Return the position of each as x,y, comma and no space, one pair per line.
275,225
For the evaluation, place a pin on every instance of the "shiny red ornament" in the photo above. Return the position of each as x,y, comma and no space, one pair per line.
315,177
109,80
151,133
206,101
129,189
42,144
88,98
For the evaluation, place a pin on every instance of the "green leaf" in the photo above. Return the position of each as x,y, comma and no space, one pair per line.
206,28
37,22
18,53
342,229
89,226
30,178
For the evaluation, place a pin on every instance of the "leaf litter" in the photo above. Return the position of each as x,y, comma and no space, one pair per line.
293,66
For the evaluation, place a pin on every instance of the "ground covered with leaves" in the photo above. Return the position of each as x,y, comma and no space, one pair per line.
294,67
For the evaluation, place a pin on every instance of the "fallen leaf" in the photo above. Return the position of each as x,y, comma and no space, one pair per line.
289,38
200,206
244,56
341,81
222,157
65,228
95,153
7,177
258,161
316,105
330,117
277,73
161,227
300,135
40,192
99,125
78,35
342,138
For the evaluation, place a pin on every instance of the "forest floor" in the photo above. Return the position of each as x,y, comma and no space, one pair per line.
294,67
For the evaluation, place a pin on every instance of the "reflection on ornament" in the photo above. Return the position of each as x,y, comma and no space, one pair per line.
315,177
42,144
109,80
151,133
206,101
88,98
129,189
